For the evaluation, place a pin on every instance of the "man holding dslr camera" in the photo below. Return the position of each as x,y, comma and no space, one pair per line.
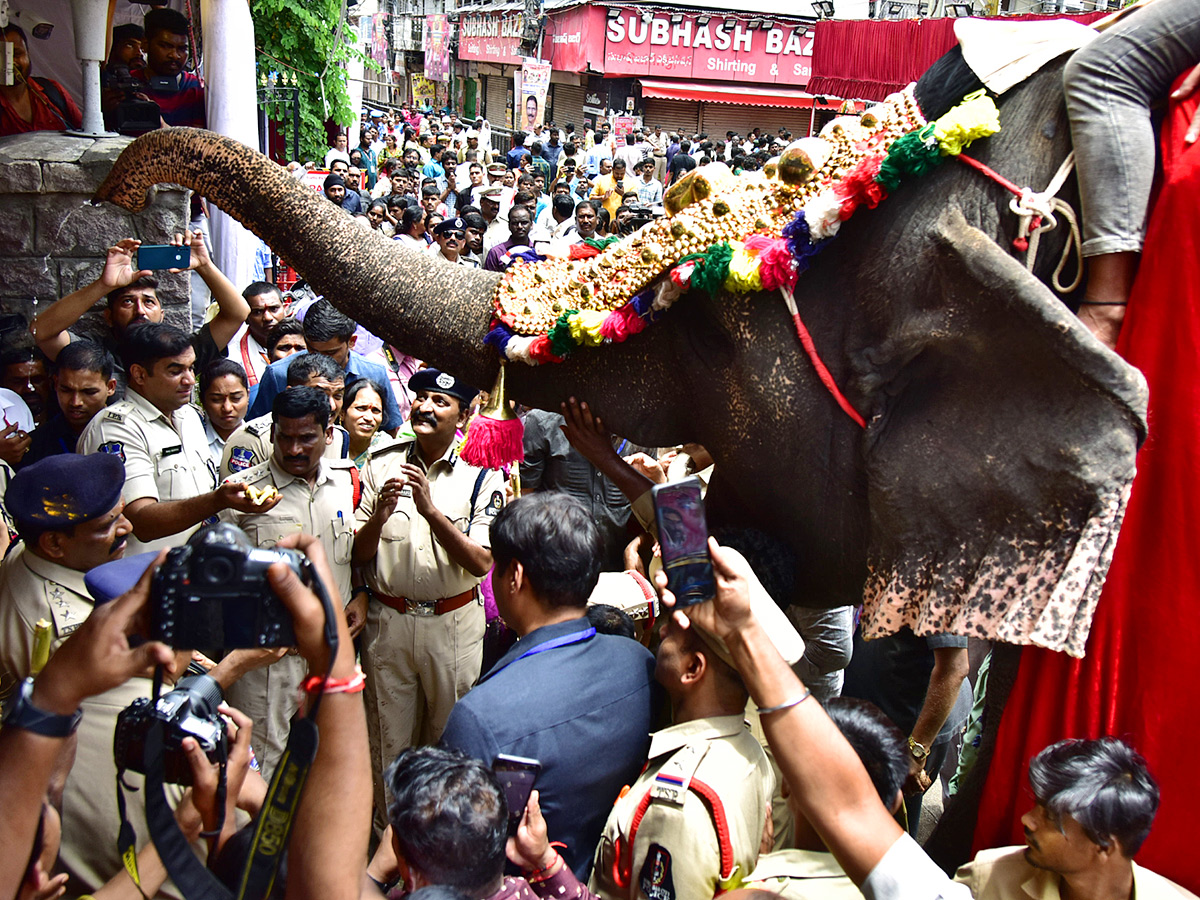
178,94
328,822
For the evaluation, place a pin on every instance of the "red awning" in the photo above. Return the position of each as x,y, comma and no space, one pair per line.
719,92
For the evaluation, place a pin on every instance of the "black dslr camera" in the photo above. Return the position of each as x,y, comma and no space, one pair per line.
213,593
188,711
132,115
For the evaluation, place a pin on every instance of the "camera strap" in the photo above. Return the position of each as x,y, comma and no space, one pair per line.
275,820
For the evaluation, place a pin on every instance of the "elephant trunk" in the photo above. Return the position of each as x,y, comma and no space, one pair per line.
422,305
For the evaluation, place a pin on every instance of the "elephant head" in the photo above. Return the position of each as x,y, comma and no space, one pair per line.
982,497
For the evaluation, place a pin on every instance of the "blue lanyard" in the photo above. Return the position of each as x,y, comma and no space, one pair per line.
577,637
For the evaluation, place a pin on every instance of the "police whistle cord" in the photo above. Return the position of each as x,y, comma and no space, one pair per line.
1035,211
275,820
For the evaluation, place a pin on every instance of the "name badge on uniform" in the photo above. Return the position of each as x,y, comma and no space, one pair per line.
671,782
171,451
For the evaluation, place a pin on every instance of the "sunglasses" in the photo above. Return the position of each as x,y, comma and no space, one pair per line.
454,234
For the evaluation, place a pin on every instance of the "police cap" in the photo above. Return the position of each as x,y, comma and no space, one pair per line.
447,225
443,382
59,492
110,580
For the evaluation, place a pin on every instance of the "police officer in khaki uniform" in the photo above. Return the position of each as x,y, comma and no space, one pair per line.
69,511
170,481
694,821
250,444
317,498
423,545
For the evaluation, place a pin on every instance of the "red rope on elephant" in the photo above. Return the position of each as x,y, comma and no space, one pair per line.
991,173
823,373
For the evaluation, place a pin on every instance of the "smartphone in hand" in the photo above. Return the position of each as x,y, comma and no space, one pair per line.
517,776
163,256
683,541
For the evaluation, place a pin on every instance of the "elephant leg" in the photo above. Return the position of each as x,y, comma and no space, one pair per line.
950,844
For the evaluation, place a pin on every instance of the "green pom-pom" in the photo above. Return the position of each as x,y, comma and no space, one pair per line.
712,269
561,342
910,156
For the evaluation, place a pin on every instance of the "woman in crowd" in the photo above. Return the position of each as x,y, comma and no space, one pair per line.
225,395
411,230
377,217
362,415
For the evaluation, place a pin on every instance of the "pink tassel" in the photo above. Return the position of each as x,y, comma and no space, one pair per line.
494,443
621,323
775,264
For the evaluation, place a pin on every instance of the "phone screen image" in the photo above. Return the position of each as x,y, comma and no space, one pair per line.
163,256
517,776
683,541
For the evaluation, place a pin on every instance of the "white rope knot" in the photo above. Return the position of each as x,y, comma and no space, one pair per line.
1036,212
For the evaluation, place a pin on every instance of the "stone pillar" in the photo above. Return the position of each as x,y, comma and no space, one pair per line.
53,241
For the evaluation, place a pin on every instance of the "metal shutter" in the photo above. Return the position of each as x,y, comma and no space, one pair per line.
496,98
568,104
722,117
680,116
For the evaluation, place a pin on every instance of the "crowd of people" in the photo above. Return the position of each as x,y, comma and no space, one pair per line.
677,756
434,182
742,744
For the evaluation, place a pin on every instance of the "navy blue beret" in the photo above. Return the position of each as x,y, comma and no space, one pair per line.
110,580
63,490
443,382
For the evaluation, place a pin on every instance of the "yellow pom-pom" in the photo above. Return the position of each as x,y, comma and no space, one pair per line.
585,326
743,274
976,117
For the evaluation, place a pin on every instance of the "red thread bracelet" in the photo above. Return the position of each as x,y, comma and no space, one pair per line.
542,874
351,685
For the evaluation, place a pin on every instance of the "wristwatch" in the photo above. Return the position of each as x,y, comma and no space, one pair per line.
918,750
23,714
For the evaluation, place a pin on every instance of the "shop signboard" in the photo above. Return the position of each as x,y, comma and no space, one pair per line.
717,48
490,37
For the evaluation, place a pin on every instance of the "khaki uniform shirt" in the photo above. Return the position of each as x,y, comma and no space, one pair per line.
1003,874
33,588
410,563
802,875
677,851
324,509
165,458
250,445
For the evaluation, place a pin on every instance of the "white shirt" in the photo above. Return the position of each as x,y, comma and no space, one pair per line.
335,153
247,352
906,873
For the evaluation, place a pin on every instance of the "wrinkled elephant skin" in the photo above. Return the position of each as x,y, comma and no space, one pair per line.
984,495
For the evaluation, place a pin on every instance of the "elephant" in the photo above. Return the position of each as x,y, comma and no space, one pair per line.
983,495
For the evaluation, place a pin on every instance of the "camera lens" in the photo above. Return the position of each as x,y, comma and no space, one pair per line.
218,570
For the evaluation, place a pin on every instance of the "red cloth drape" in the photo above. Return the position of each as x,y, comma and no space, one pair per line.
867,59
1137,680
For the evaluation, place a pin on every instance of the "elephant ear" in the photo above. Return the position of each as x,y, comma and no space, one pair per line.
1000,461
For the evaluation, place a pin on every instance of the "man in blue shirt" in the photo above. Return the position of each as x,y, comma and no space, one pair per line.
513,158
330,333
580,703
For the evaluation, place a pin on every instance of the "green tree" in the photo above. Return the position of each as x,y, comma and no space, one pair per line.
305,34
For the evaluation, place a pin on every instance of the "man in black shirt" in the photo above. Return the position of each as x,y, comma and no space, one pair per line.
83,383
681,163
